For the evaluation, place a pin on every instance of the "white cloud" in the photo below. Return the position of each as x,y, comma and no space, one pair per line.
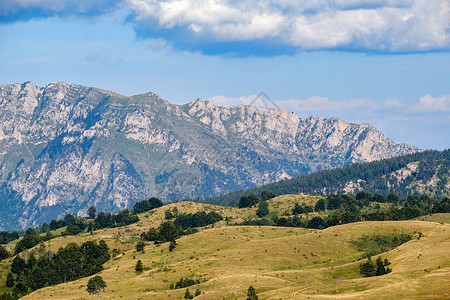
352,109
389,25
429,103
276,27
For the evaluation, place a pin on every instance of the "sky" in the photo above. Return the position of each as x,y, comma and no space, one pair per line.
382,62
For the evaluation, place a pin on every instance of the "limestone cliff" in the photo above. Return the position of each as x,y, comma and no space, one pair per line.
66,147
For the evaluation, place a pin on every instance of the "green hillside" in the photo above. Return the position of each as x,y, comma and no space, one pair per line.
422,172
224,260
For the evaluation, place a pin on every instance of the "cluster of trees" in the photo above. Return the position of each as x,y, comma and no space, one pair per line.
166,232
67,264
108,220
184,282
348,208
146,205
252,200
375,177
377,268
6,236
188,295
198,219
301,209
442,207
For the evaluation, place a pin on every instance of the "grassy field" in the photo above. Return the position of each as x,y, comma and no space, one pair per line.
280,263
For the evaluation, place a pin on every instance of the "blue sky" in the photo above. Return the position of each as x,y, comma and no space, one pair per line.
383,62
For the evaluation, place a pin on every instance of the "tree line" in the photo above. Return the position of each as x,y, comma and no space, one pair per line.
67,264
374,177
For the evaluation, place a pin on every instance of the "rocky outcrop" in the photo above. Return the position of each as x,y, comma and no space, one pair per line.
66,147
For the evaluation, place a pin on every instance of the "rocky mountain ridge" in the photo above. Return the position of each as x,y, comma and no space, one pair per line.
65,147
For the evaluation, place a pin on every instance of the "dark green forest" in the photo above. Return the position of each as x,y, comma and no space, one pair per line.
377,177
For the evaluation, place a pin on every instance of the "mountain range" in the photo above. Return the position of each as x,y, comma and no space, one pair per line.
66,147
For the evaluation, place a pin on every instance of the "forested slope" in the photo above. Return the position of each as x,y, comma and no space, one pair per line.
417,173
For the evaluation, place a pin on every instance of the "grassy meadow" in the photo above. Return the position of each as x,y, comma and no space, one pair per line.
279,262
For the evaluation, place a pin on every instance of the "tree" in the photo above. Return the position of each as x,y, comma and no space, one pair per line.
69,219
31,261
263,209
266,195
316,223
91,212
248,201
198,292
172,245
10,280
139,266
155,202
27,242
251,294
320,205
17,265
188,295
3,253
45,228
368,268
140,246
95,285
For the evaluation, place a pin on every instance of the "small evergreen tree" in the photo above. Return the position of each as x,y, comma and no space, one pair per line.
18,265
140,246
198,292
3,253
91,212
172,245
10,280
95,285
139,266
263,209
187,295
251,294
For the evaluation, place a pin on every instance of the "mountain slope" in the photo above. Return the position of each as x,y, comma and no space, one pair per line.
66,147
421,172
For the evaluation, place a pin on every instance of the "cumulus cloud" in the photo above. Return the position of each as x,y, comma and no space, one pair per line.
268,27
429,103
366,25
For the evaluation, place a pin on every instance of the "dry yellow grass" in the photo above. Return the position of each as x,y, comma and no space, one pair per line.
281,263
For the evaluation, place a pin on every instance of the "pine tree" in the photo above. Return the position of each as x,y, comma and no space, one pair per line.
10,280
263,209
140,246
251,294
188,295
172,245
139,266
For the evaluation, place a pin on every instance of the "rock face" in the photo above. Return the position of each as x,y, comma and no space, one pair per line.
66,147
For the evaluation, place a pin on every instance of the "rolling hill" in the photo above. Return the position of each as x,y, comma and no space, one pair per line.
279,262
